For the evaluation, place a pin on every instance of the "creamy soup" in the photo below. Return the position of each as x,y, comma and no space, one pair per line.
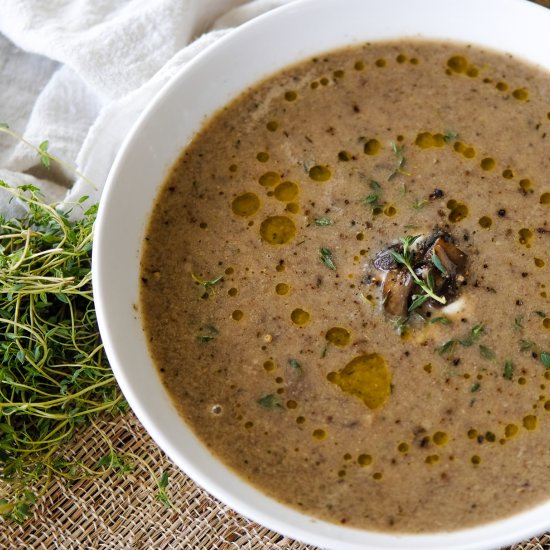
345,286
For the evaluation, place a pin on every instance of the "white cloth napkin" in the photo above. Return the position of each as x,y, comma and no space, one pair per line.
79,72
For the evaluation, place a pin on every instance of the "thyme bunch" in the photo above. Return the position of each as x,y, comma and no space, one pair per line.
53,370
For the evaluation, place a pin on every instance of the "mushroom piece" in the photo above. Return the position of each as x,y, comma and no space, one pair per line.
450,256
384,260
435,260
454,263
398,286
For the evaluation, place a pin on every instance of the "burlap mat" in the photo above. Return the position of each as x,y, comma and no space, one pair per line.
122,511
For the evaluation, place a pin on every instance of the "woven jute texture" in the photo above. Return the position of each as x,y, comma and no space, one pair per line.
122,511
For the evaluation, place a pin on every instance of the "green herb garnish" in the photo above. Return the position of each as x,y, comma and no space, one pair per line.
209,332
326,257
540,314
437,263
529,345
205,337
447,347
526,345
419,203
469,340
323,221
374,185
450,135
400,325
508,371
270,401
294,364
207,284
475,387
398,151
475,334
406,258
371,199
486,353
440,321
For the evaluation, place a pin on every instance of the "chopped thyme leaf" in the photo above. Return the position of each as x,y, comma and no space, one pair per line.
326,257
418,300
518,323
211,333
508,371
400,325
371,200
207,284
540,313
437,263
323,221
440,321
270,401
447,347
205,337
477,330
450,135
475,333
534,349
419,203
486,353
294,364
526,345
398,151
475,387
374,185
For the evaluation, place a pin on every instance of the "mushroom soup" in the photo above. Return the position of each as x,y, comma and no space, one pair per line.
345,286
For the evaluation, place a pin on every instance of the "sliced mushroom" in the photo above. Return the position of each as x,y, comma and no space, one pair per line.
398,286
384,261
450,256
446,275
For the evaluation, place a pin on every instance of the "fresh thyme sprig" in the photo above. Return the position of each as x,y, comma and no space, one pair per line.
207,286
42,150
399,152
476,332
406,258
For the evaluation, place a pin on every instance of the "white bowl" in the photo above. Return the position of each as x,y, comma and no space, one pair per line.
266,44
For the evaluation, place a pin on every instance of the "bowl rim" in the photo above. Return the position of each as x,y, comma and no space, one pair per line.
112,248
